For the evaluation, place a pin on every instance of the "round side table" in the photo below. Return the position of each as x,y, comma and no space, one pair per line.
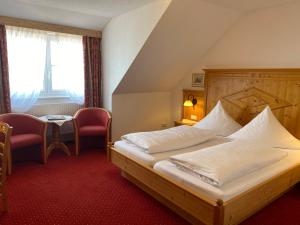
56,138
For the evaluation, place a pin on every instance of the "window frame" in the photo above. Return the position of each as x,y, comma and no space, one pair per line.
48,92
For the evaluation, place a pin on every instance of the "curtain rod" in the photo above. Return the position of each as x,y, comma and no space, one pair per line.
11,21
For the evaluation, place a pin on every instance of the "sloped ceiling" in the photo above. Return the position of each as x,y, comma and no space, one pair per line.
95,14
122,40
91,14
183,35
276,46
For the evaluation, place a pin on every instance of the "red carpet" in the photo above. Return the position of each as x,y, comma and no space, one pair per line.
88,190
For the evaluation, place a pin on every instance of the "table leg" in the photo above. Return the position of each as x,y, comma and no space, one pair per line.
56,141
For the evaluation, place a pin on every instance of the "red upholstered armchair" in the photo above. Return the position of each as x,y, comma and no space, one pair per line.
27,131
91,122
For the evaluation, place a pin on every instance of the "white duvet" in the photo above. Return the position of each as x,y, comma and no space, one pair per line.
223,163
169,139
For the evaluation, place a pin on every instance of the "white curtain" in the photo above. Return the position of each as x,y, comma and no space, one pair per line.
44,61
68,66
26,59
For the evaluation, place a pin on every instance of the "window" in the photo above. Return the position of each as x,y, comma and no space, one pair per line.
63,66
44,65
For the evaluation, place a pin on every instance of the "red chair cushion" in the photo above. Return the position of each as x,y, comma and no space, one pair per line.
24,140
92,131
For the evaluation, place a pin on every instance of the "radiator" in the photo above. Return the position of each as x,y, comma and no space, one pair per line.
54,109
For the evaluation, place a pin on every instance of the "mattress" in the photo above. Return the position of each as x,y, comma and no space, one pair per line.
233,188
141,155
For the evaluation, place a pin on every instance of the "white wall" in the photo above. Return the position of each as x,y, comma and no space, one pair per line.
122,39
140,112
266,38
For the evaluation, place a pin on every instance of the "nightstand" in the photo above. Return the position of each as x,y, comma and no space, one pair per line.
184,122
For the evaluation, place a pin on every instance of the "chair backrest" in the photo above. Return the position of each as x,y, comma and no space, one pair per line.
23,123
92,116
5,132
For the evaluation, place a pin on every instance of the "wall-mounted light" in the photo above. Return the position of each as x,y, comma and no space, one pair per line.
191,101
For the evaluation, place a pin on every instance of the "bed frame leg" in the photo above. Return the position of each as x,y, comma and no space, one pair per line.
219,213
108,152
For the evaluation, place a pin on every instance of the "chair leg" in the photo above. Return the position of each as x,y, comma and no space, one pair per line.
4,185
9,162
4,201
77,145
106,143
44,152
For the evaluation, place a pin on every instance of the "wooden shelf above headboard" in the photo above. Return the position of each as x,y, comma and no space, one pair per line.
246,92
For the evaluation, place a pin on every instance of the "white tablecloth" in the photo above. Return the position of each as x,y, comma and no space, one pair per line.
58,122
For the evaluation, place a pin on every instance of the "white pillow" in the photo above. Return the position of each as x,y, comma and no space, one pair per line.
219,121
267,129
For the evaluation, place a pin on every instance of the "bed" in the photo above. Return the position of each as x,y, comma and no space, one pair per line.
245,93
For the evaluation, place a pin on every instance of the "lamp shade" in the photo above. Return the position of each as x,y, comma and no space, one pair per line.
188,103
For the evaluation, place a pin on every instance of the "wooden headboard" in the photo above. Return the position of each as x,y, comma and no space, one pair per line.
246,92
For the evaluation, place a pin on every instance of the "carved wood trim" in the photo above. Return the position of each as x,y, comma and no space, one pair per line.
246,92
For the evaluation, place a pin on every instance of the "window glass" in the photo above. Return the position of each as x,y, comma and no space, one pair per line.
44,64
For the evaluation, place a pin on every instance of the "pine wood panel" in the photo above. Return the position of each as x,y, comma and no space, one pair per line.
198,109
245,93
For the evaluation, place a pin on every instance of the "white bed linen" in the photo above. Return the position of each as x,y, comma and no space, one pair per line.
140,154
219,121
169,139
233,188
265,128
221,164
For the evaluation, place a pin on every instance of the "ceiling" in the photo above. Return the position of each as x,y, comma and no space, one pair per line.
90,14
95,14
249,5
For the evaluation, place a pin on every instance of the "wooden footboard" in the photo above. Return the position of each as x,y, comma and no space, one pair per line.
192,206
246,204
195,207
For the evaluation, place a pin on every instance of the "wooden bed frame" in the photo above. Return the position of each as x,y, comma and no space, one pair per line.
249,92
